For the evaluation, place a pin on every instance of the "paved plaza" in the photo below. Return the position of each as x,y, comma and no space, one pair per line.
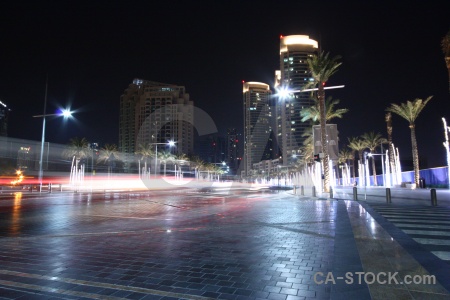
213,244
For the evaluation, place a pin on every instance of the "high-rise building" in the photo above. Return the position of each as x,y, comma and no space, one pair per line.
4,113
211,148
232,150
153,112
257,123
293,76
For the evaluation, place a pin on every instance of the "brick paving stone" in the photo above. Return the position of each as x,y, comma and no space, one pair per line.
224,247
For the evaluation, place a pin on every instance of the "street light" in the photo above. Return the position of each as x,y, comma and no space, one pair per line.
169,143
64,113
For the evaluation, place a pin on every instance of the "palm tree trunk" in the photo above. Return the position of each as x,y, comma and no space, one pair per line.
323,133
361,162
391,147
354,166
415,153
337,174
374,172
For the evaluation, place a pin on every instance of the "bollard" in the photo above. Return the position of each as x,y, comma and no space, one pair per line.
433,197
295,190
313,191
331,192
388,195
302,190
31,188
49,187
355,193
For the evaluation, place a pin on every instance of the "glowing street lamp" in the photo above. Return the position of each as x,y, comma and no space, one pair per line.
63,113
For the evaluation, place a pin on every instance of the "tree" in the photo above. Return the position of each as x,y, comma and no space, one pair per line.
322,68
78,148
313,112
410,111
357,145
390,144
307,149
109,155
372,140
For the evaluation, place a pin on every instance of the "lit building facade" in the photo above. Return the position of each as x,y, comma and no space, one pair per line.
257,123
4,113
293,76
153,112
210,148
232,150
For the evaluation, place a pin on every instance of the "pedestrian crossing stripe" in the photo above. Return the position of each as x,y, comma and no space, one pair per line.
428,226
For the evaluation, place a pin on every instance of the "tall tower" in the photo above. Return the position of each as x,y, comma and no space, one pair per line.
153,112
293,76
257,127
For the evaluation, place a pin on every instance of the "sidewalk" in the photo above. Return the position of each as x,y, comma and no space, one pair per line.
398,195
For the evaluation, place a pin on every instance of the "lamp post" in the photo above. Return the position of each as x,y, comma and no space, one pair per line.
169,143
66,114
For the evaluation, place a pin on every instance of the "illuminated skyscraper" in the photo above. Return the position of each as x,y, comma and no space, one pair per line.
4,113
153,112
232,149
257,122
293,76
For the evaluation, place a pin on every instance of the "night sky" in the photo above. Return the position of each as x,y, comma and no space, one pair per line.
91,51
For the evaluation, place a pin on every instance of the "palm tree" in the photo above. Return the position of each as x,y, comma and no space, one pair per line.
165,157
410,111
307,149
357,145
78,148
313,112
322,68
372,140
108,155
390,144
145,151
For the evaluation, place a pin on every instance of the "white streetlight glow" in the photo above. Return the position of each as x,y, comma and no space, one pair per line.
66,113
